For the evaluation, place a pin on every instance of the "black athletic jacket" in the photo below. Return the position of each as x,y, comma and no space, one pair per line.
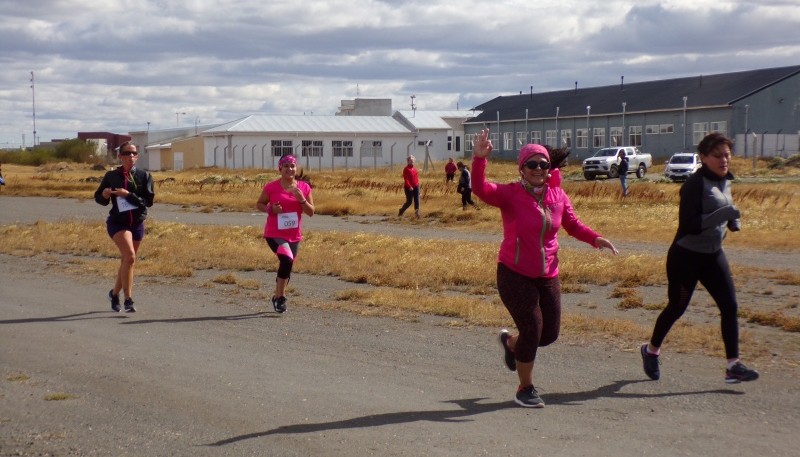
140,185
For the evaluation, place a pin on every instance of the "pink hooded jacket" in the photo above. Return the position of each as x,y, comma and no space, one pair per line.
530,224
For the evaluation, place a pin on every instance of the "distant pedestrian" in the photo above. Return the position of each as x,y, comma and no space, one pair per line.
623,172
285,200
449,170
465,186
533,210
410,186
705,214
130,192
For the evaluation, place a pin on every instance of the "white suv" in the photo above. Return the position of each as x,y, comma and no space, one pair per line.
682,165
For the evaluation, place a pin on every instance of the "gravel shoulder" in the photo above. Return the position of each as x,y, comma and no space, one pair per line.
206,371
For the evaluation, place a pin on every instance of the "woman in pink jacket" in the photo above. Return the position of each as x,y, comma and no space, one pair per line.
532,209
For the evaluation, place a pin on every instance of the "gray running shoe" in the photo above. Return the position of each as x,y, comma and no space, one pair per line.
650,363
114,300
508,355
739,373
528,398
279,304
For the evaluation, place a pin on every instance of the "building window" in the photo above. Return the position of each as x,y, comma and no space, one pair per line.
666,128
281,148
536,137
342,148
371,149
616,136
494,138
508,141
720,127
312,148
599,138
582,138
522,139
700,131
635,135
550,138
566,138
468,141
651,130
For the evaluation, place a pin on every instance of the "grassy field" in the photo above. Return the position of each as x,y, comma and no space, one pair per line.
464,290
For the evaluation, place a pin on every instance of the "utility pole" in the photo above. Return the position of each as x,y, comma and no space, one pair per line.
33,95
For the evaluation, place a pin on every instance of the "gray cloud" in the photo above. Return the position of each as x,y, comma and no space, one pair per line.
117,65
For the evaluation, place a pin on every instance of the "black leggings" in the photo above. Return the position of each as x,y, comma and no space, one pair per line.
411,195
285,262
535,306
684,269
466,197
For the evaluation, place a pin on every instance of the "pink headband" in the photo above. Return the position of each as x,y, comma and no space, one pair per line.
530,150
286,159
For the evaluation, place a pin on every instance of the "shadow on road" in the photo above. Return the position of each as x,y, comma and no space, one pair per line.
113,315
236,317
67,318
613,391
469,407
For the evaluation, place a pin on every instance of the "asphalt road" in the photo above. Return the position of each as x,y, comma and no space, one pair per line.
199,372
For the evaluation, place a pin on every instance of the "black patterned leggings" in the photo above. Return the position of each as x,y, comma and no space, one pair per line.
685,269
535,306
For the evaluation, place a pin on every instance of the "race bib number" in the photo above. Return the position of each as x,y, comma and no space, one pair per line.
124,205
288,221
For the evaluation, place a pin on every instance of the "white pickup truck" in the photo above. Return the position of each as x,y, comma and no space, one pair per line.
605,162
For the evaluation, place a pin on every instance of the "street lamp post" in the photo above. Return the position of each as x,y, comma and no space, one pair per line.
685,98
588,149
624,104
177,118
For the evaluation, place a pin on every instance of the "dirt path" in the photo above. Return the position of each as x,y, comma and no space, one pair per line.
206,371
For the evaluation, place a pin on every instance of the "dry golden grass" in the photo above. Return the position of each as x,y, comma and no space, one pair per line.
413,276
59,397
649,213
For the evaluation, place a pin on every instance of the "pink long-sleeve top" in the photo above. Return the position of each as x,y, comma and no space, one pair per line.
530,223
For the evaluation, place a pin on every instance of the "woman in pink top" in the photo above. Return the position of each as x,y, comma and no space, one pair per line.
285,200
532,209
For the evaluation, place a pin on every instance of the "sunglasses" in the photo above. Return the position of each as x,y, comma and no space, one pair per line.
533,164
128,153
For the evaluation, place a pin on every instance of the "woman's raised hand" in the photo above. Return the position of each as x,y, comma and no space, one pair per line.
481,144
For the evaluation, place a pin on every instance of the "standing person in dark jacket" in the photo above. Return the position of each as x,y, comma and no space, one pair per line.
465,186
705,214
130,192
410,186
623,172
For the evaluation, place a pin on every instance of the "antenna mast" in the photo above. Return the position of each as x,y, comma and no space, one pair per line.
33,97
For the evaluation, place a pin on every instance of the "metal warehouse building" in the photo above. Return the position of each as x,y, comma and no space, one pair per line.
758,109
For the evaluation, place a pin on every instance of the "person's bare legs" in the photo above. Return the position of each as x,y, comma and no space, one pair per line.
524,370
127,249
280,287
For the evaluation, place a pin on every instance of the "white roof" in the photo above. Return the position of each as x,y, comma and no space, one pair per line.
315,124
435,119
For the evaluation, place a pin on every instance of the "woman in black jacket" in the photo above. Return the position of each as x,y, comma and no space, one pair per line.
130,192
705,215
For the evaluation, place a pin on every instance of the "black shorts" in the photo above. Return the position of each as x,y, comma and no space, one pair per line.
114,227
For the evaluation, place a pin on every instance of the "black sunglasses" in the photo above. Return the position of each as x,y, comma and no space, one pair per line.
534,164
128,153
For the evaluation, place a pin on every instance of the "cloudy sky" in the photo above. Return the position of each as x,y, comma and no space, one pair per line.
115,65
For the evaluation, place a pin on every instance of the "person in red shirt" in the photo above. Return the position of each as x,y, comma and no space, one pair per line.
450,170
410,186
